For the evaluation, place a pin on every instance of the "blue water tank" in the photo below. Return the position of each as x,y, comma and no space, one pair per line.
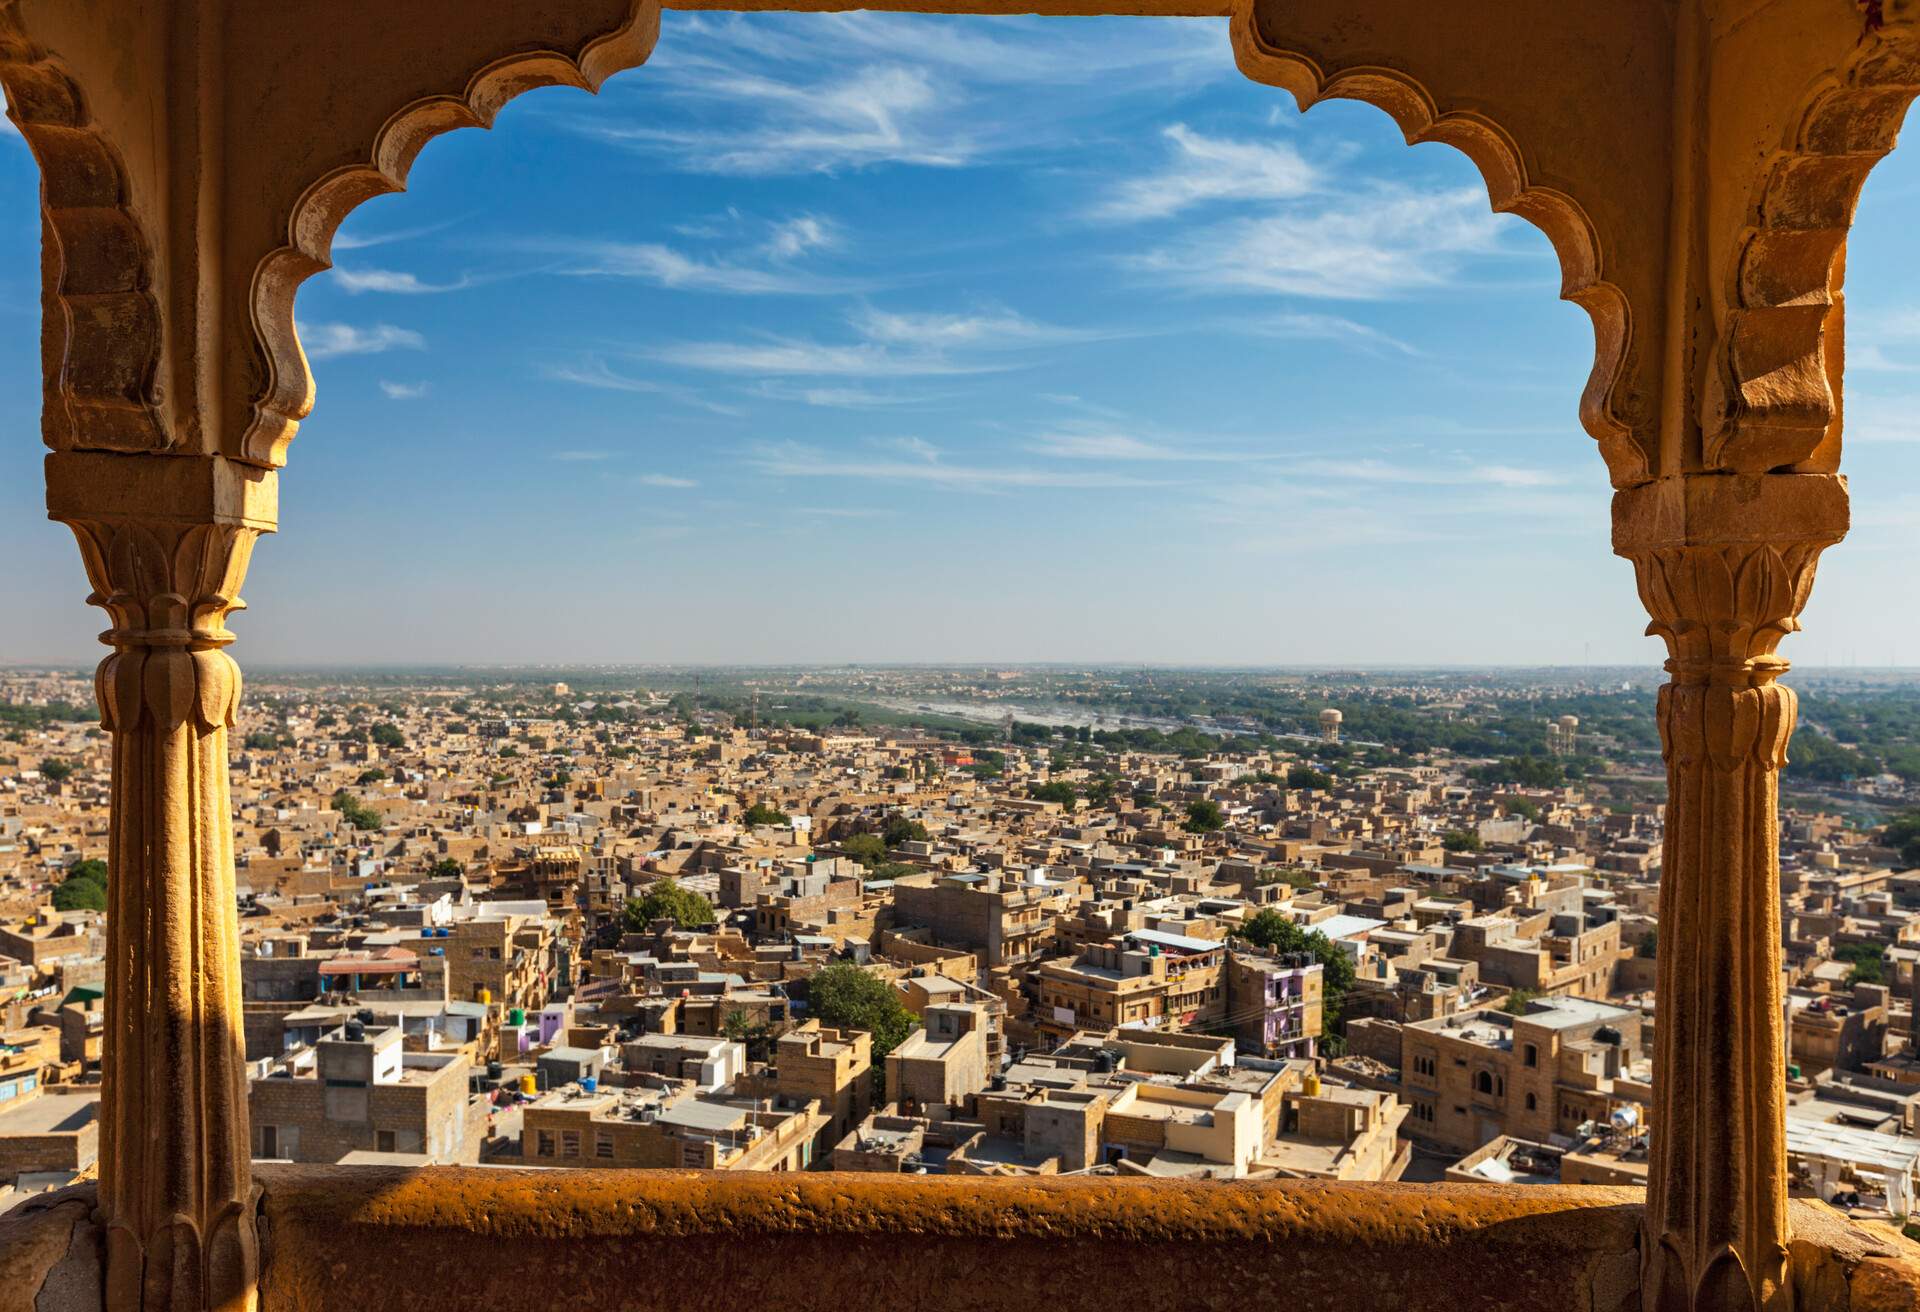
588,1084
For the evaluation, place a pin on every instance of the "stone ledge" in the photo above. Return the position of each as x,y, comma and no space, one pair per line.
445,1237
553,1240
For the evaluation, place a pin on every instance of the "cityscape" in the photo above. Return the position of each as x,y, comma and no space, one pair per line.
1025,921
959,656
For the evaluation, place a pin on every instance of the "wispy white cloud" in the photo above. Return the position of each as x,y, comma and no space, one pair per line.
799,358
1375,470
1101,444
1326,328
835,398
846,512
325,341
357,241
666,267
847,91
891,345
990,330
404,391
876,114
1201,169
794,237
356,281
1385,244
924,464
665,480
593,371
1873,416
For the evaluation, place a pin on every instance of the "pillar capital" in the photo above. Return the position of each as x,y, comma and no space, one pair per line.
1725,564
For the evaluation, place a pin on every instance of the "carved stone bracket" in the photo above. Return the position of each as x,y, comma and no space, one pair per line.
1773,401
100,330
1724,566
166,541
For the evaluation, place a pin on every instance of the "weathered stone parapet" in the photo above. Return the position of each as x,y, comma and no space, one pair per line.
166,541
553,1241
1724,564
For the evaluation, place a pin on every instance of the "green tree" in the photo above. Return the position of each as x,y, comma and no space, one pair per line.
84,888
1275,933
1058,790
868,849
1305,776
762,814
355,812
373,776
667,900
445,868
846,997
387,736
1522,807
1517,1002
892,870
1461,840
899,829
1204,817
1903,833
56,771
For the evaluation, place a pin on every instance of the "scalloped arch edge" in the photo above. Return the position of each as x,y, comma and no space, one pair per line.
287,394
1502,166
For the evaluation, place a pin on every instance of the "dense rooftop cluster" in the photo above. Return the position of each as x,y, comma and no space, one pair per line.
632,929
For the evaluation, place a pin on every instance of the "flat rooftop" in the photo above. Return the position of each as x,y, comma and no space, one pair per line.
49,1113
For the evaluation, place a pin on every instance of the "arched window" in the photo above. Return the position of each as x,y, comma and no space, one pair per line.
1531,1055
1533,1103
1483,1082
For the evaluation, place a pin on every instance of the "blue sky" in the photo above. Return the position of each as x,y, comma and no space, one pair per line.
1045,339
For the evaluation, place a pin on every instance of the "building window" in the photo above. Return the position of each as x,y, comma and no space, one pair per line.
569,1143
270,1141
383,1141
545,1142
1533,1103
603,1144
1483,1082
1532,1055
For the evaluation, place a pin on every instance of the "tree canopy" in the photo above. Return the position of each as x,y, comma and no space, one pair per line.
1305,776
355,812
1058,790
667,900
1461,840
868,849
846,997
762,814
84,888
899,829
57,771
1204,816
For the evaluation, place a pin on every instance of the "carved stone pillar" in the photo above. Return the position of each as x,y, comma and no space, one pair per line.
1724,564
166,541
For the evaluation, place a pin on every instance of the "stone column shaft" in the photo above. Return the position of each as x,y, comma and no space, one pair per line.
1724,564
166,540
